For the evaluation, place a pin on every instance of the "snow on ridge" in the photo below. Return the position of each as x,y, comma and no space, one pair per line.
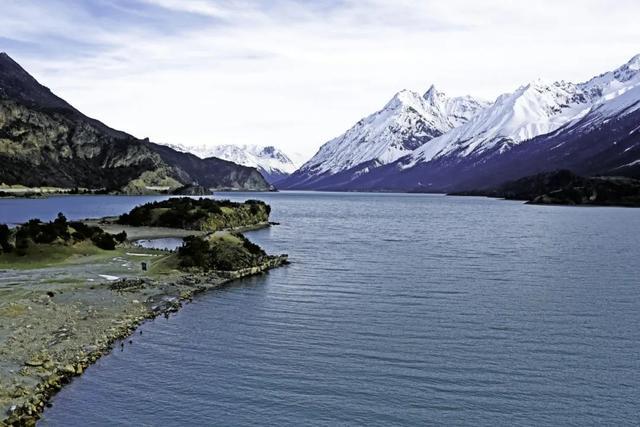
405,123
535,109
267,159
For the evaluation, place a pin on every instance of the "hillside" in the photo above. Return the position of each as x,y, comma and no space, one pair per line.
566,188
44,141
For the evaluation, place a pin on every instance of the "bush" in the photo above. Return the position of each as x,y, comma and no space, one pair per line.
59,229
250,246
5,234
220,254
104,241
120,237
22,242
41,232
194,252
83,231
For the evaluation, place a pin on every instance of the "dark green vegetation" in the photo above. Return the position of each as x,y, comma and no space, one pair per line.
192,190
198,214
227,253
59,231
44,141
566,188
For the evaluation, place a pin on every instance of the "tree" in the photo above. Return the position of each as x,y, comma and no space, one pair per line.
5,234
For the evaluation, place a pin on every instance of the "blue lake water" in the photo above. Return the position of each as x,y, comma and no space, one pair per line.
396,310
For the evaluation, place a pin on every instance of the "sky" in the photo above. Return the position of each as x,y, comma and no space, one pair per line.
297,73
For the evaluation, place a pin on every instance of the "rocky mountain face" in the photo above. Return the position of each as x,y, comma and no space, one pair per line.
272,162
407,122
590,128
44,141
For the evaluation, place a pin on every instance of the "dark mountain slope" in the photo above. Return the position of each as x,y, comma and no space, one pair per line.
44,141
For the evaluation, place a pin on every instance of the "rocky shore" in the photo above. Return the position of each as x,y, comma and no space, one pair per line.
69,290
47,337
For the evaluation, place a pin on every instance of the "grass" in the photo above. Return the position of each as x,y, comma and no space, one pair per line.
165,265
41,255
55,255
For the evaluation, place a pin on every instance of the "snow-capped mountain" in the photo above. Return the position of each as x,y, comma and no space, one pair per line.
535,109
590,127
407,122
272,163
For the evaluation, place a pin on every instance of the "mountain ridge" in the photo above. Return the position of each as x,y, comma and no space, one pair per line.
269,160
44,141
540,116
406,122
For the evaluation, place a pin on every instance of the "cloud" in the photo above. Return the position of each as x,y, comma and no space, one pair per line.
296,73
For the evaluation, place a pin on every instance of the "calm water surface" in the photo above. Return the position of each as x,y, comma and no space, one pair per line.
396,310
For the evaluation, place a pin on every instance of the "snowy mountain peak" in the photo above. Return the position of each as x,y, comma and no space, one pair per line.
425,138
433,95
611,83
536,108
404,99
272,162
634,63
406,122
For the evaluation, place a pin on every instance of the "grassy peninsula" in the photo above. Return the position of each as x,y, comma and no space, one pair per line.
70,289
199,214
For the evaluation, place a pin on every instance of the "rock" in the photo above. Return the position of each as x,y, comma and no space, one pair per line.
90,348
69,369
34,362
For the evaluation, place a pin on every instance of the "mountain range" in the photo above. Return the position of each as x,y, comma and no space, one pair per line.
435,143
44,141
270,161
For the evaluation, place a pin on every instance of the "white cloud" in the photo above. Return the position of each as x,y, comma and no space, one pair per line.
296,74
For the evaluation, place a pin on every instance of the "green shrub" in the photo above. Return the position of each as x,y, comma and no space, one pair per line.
194,252
250,246
104,241
5,235
220,254
22,242
35,231
120,237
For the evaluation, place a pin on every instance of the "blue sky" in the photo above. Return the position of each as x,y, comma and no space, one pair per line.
297,73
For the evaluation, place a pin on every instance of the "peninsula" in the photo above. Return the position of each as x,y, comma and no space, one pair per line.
70,289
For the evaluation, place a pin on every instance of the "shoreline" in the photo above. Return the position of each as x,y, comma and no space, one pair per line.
8,193
54,374
63,307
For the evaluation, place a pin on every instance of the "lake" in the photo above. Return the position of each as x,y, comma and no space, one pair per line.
397,309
